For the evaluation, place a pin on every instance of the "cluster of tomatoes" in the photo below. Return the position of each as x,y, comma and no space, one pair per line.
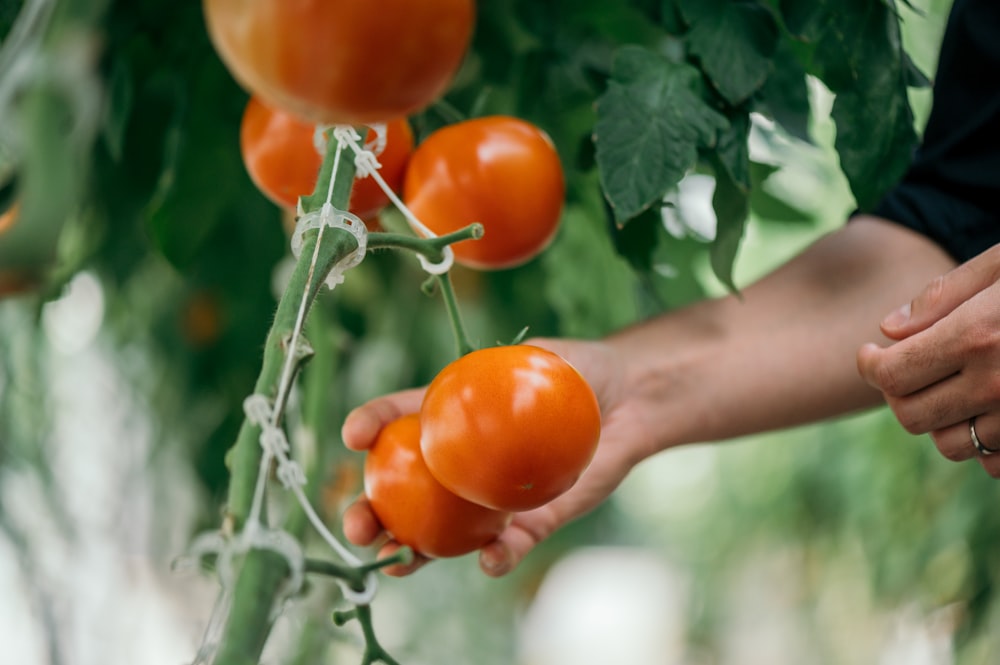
338,62
499,171
502,429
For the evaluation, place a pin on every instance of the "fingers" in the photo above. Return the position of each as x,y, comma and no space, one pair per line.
361,527
400,569
942,295
362,424
524,533
955,442
911,364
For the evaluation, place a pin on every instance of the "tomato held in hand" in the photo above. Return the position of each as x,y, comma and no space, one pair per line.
499,171
280,155
509,427
342,61
413,507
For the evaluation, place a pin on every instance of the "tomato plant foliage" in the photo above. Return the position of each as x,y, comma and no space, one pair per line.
128,166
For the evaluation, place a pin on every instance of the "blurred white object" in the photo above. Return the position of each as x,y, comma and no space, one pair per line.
607,605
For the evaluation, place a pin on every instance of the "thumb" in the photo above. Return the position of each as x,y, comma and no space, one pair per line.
942,295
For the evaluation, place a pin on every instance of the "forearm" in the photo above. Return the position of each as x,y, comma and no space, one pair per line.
784,354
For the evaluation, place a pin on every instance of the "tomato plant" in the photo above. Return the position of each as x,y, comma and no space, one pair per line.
509,427
339,61
500,171
414,507
280,154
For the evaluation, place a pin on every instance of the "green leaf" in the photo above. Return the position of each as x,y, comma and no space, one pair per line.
733,151
651,121
767,206
859,56
593,301
785,95
875,137
915,78
731,199
803,18
203,168
734,41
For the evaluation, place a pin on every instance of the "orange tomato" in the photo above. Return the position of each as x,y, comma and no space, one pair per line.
413,507
342,61
280,155
499,171
201,319
8,218
509,427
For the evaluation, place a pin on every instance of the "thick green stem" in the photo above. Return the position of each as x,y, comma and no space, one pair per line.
261,576
262,573
245,456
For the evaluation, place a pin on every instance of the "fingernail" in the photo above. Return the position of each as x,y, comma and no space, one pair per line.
898,317
494,564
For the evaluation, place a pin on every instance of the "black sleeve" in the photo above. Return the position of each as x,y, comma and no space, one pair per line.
951,191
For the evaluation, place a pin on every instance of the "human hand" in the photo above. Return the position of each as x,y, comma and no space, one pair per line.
943,370
623,444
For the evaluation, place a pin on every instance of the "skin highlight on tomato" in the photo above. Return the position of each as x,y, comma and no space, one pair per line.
509,427
499,171
342,61
279,153
414,507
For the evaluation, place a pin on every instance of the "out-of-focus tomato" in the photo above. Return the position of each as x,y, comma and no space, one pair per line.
342,61
509,427
499,171
201,319
280,155
413,507
8,218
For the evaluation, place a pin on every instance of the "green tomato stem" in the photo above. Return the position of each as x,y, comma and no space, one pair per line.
431,248
462,341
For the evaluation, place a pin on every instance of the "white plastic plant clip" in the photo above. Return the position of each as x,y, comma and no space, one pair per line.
346,134
442,266
377,144
366,595
263,538
257,408
273,440
338,219
366,164
319,138
205,544
290,473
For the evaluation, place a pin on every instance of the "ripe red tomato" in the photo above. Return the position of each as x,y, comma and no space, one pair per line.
502,172
413,507
342,61
509,427
280,155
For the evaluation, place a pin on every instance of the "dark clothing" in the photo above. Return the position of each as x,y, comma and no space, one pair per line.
951,192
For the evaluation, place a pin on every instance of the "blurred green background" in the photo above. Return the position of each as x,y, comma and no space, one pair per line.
147,266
